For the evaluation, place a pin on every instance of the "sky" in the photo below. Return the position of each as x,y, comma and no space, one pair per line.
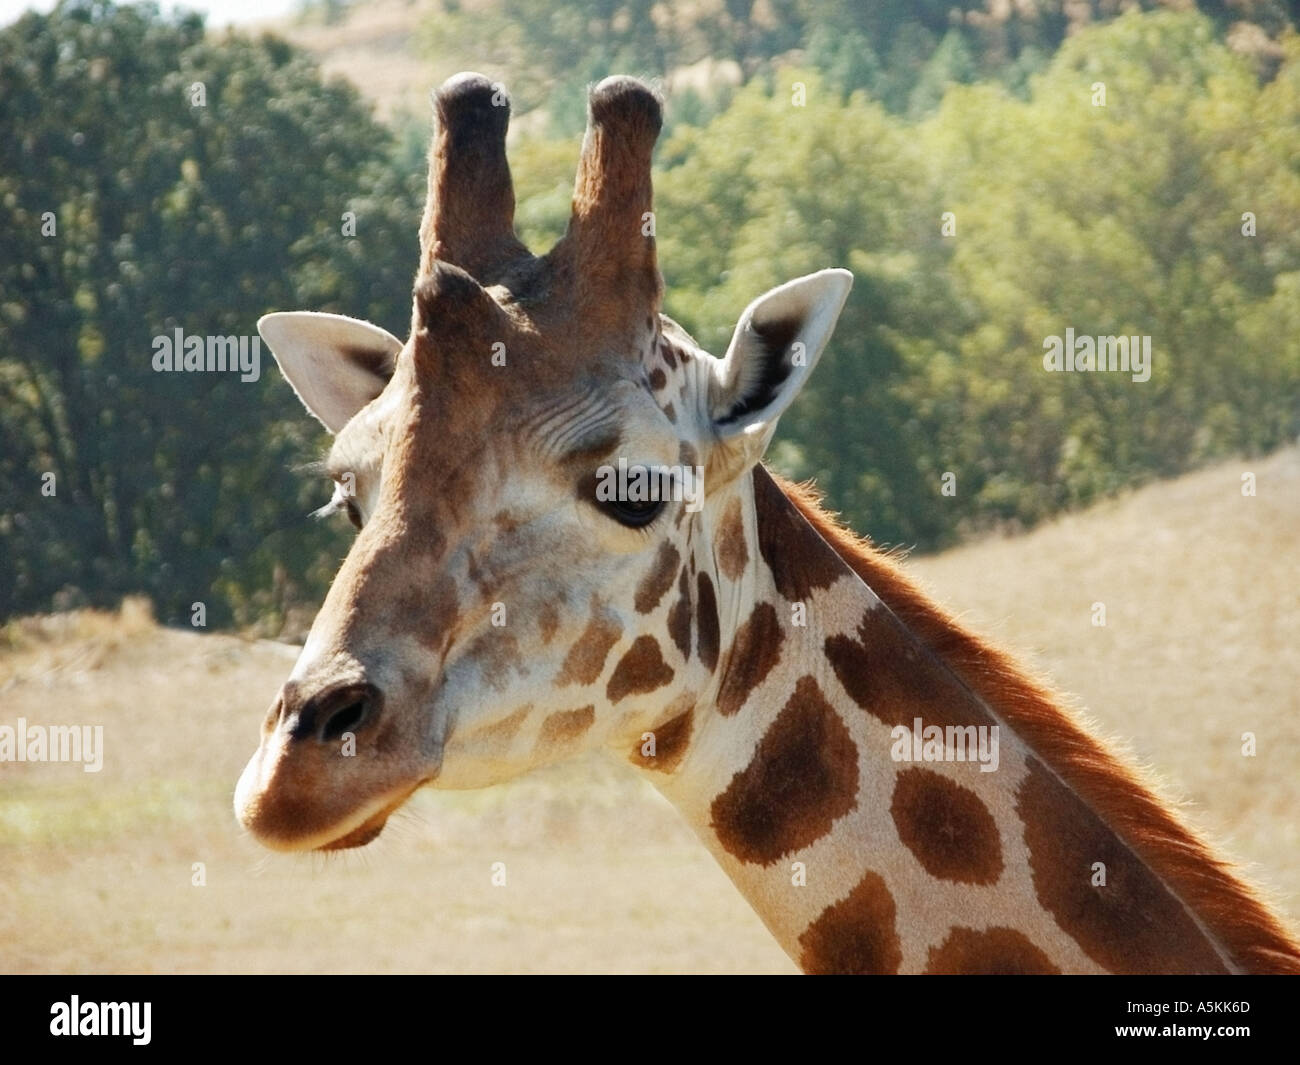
219,12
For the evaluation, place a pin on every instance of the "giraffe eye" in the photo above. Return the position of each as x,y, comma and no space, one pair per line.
635,514
633,496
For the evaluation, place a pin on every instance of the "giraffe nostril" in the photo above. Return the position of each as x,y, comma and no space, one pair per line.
345,719
327,715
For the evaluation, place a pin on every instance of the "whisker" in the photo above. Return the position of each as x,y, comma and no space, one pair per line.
314,468
332,507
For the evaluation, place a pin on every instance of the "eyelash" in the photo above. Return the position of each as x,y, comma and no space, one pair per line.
340,503
647,529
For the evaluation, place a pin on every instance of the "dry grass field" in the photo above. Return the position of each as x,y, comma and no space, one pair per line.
1202,643
374,46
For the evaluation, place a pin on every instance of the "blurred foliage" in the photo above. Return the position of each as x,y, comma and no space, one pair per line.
168,215
738,216
841,136
904,53
1125,219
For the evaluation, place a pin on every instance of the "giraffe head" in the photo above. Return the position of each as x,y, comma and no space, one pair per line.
535,474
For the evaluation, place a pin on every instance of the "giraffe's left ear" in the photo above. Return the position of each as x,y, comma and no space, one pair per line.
777,342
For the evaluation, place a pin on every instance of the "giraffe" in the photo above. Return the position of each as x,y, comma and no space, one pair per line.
762,665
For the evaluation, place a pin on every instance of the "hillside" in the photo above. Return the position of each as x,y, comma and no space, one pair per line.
1202,642
378,45
373,46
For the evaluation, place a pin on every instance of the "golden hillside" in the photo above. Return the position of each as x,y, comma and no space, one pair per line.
373,46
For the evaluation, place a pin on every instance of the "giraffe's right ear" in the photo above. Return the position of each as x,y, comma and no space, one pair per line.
336,365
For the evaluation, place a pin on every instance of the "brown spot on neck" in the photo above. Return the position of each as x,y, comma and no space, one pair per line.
947,827
729,542
803,777
680,617
642,669
1131,925
993,952
895,679
659,579
1232,912
799,559
754,654
706,616
855,936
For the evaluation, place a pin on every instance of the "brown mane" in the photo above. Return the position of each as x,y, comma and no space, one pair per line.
1229,910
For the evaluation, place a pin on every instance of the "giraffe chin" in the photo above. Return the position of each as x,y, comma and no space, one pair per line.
361,835
369,829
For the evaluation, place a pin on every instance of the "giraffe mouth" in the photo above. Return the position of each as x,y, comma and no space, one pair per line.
369,829
361,835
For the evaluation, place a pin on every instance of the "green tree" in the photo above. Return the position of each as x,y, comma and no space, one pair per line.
1116,220
738,217
192,184
951,64
1122,219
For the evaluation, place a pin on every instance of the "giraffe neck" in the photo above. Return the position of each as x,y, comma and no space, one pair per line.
866,848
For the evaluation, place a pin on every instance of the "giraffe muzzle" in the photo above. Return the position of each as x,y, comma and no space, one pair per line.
332,766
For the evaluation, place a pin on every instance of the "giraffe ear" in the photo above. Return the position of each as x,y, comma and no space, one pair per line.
777,342
336,365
